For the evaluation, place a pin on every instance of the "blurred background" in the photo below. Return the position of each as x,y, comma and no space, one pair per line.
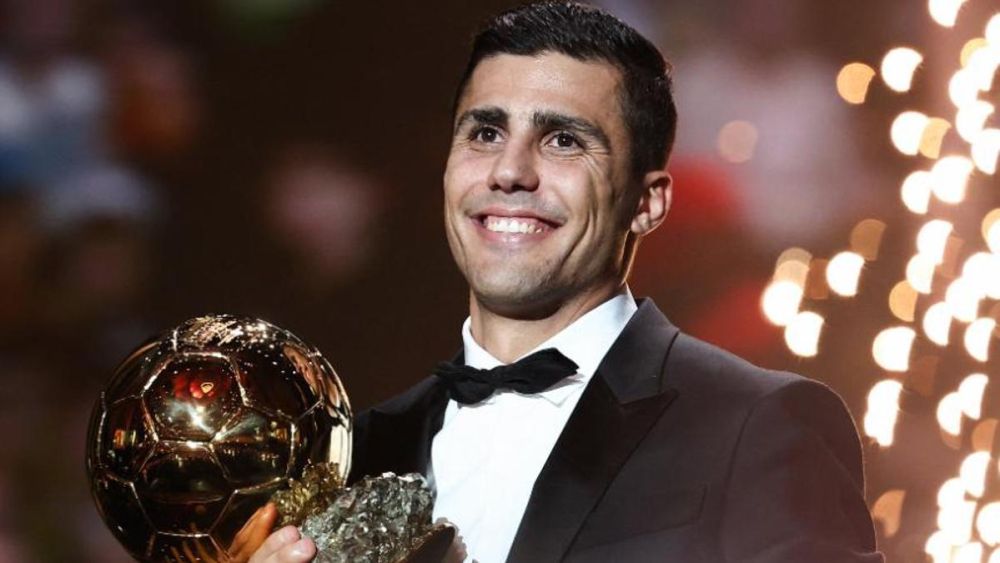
283,159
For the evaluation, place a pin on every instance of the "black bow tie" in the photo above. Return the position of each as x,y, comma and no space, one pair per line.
531,374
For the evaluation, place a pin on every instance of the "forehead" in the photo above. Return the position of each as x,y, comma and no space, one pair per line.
522,84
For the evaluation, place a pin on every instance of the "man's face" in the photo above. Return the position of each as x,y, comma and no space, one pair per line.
536,205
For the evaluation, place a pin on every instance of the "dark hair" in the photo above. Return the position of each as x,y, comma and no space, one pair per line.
587,33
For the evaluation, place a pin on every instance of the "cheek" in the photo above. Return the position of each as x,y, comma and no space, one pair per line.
582,187
463,175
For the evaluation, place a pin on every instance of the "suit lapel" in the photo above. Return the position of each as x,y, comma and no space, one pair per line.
620,405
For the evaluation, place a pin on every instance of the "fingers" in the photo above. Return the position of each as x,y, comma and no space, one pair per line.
457,552
285,546
252,535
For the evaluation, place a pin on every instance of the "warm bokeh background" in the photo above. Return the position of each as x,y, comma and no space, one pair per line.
282,159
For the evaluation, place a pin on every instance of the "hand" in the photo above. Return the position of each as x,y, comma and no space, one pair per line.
253,533
457,552
252,543
285,546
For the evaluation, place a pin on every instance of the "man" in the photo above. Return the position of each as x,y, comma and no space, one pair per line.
655,446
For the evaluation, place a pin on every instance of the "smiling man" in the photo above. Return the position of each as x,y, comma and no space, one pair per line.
578,424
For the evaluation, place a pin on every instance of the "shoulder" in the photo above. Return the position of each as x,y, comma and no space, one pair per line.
783,441
407,400
413,403
756,398
695,366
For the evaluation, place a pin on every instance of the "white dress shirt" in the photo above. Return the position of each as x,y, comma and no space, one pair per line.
486,457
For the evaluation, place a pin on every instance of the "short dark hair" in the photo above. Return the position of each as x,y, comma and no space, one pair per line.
587,33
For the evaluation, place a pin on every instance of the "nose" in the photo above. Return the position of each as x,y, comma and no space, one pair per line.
514,169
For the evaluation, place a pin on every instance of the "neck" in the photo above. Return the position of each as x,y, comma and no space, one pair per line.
508,338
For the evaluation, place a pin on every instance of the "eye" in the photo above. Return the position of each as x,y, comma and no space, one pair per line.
564,140
485,134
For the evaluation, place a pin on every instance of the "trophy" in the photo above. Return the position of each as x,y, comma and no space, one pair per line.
200,427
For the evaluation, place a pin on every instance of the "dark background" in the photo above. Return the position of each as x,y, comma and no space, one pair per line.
283,159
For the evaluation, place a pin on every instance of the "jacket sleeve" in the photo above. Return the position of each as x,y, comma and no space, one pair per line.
359,447
795,489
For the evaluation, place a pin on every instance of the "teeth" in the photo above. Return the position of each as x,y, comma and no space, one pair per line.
510,225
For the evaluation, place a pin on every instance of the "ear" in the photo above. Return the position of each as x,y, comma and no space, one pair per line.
654,202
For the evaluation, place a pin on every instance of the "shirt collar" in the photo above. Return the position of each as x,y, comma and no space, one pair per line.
585,341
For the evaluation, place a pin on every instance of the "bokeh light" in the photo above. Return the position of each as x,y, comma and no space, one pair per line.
955,520
866,238
949,413
843,272
920,272
803,332
963,300
934,134
793,265
993,30
932,239
970,393
891,348
883,409
982,435
887,510
986,149
907,131
963,88
950,492
978,336
973,473
916,191
853,81
903,301
937,323
988,523
950,176
993,237
990,228
781,301
971,119
945,12
982,270
898,67
971,552
971,46
737,141
938,547
982,65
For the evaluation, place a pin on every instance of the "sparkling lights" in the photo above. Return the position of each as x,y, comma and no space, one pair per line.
853,82
985,150
883,408
781,302
891,348
843,271
949,178
907,131
946,299
945,12
802,333
916,191
898,67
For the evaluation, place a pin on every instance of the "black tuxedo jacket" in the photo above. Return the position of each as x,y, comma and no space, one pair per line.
676,452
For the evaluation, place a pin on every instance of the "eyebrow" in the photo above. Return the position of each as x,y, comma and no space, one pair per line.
491,115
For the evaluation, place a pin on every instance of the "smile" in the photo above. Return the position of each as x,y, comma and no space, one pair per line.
522,225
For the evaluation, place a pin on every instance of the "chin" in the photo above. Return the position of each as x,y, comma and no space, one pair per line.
516,297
